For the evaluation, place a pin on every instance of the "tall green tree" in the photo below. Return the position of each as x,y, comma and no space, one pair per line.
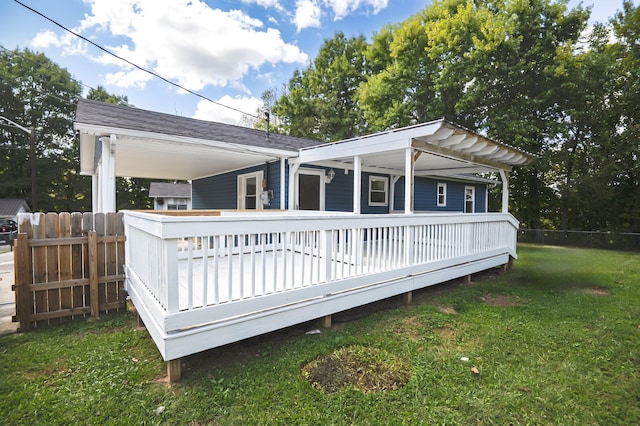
625,180
320,102
35,92
402,93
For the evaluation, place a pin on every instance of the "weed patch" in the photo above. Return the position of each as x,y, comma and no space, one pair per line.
359,367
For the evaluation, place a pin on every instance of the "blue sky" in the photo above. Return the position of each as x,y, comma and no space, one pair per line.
228,50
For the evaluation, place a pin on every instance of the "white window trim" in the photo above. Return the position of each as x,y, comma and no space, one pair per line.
386,190
444,194
242,189
473,199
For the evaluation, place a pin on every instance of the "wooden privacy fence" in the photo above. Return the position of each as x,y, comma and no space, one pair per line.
68,265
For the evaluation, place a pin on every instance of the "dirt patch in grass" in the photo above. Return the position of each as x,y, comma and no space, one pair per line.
409,328
447,333
359,367
450,310
502,300
595,291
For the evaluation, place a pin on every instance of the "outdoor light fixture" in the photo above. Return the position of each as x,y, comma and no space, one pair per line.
330,175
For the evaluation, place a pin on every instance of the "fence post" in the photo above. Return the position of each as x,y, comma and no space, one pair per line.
22,267
93,273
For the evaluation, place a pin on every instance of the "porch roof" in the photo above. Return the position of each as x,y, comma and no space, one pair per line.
442,149
162,146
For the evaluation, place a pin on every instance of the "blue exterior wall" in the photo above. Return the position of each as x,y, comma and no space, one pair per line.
220,192
426,198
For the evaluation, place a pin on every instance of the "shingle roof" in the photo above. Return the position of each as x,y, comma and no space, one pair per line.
124,117
10,207
161,189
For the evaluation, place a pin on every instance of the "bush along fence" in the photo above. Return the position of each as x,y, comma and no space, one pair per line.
589,239
68,266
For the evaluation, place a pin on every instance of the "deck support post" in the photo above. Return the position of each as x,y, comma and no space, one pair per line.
508,266
174,370
325,322
407,298
139,322
467,279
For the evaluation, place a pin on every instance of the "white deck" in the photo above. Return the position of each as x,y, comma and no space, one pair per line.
200,282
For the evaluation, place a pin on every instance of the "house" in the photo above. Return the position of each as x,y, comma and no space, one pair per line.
170,196
11,207
288,229
233,167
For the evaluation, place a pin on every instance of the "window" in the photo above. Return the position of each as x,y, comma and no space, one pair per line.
442,194
469,198
177,204
249,190
378,191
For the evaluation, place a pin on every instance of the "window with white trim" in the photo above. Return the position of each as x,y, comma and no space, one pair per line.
249,190
378,191
442,194
469,199
177,204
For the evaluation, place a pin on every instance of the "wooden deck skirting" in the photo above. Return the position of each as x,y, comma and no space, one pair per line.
202,282
68,265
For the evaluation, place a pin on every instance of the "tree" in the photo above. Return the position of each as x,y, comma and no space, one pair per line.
626,168
35,92
321,100
402,93
101,94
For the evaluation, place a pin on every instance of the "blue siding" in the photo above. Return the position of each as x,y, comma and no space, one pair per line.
426,190
220,192
338,195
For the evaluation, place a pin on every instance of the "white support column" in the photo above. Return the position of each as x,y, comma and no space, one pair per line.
504,176
357,184
283,164
293,172
108,175
408,181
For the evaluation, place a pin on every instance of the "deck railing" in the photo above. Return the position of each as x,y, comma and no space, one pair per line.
190,262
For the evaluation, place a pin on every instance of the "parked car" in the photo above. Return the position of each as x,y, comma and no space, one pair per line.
8,231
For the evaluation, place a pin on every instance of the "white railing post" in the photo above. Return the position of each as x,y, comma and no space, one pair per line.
170,279
328,254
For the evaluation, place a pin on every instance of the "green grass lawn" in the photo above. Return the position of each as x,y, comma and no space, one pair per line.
555,341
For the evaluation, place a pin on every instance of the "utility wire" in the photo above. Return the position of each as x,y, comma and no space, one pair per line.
131,63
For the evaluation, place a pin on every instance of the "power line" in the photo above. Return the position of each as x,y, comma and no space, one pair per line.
131,63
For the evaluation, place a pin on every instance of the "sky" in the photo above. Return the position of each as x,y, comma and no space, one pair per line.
229,51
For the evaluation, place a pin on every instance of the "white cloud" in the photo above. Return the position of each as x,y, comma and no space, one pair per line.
71,46
206,110
187,41
135,78
266,3
342,8
308,13
45,39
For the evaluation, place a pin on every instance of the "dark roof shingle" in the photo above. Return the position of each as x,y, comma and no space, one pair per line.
124,117
162,189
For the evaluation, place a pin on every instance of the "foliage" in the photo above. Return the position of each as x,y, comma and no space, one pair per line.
36,93
548,339
528,73
320,101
